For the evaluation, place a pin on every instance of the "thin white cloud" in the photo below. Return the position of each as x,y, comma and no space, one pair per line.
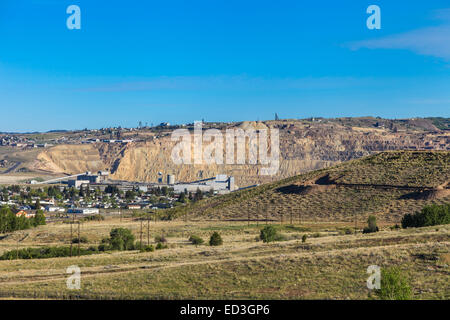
430,41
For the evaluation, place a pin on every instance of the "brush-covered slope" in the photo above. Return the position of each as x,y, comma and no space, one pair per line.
388,185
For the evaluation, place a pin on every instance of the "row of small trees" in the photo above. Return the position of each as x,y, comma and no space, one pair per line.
428,216
214,240
9,222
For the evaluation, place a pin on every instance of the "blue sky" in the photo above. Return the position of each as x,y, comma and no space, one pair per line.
180,61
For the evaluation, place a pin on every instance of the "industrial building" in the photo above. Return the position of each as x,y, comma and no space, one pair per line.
220,184
89,178
100,177
83,211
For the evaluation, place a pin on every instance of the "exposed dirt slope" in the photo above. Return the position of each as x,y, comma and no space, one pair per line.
70,159
303,147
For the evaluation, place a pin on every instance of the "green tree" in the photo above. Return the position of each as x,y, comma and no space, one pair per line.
121,239
22,223
81,193
38,219
112,189
4,211
371,225
130,195
198,195
37,204
194,239
429,216
215,240
268,234
182,197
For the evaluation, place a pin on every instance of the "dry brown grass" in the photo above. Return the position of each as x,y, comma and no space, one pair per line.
331,266
383,185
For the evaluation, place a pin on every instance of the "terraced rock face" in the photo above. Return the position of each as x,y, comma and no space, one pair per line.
304,146
70,159
387,185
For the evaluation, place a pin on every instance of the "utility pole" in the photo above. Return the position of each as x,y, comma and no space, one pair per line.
140,244
258,208
79,238
248,218
148,230
71,223
291,217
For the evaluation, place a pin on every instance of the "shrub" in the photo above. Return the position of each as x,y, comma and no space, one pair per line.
161,246
117,244
215,240
83,239
92,248
44,253
104,247
394,286
95,217
139,245
268,234
196,240
371,225
161,238
348,231
149,248
429,216
304,238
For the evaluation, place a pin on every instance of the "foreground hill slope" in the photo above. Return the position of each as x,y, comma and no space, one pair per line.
330,266
387,185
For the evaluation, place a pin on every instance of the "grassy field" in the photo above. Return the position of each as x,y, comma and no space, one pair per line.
329,265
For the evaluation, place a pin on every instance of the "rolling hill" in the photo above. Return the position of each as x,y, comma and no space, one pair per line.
387,185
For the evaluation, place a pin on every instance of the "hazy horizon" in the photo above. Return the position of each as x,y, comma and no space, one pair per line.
181,123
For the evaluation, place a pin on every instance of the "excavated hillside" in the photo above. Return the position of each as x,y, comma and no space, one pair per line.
70,159
303,147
